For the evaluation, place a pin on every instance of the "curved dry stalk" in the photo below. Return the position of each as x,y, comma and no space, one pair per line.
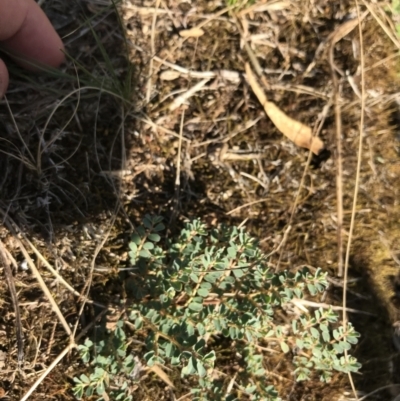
340,32
356,184
60,104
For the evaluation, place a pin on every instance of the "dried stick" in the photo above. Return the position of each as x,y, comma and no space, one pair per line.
14,298
356,185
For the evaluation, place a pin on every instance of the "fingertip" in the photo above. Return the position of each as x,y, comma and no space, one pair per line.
56,57
35,43
3,78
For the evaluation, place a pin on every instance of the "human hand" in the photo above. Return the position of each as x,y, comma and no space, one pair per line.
26,32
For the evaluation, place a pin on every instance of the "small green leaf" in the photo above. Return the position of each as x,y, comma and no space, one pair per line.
159,227
314,332
133,247
194,306
317,352
199,345
312,289
170,350
154,237
336,334
238,273
233,332
206,285
144,253
203,292
251,389
326,336
191,366
232,251
89,391
201,371
147,222
210,357
260,372
148,245
285,348
136,239
100,389
201,329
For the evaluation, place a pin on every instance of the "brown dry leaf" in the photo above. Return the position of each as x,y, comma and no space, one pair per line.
191,33
162,375
297,132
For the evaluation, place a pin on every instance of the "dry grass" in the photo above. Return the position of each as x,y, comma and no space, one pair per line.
86,151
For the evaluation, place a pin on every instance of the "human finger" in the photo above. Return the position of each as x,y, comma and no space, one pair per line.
3,78
27,34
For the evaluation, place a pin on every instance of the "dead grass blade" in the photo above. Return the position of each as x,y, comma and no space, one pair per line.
343,30
182,99
339,161
356,185
14,298
302,303
156,369
297,132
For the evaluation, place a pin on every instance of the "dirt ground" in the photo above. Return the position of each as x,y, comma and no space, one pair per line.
150,117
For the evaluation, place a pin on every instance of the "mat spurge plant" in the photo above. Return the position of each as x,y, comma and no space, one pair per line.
210,291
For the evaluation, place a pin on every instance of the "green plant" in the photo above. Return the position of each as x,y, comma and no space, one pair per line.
114,369
211,287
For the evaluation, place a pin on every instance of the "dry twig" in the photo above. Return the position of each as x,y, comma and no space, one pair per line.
14,299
